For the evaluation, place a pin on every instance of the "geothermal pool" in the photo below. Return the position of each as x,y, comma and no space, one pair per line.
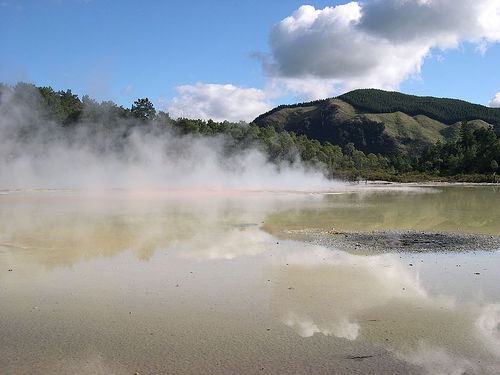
171,282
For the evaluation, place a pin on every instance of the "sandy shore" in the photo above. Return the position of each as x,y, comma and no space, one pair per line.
405,241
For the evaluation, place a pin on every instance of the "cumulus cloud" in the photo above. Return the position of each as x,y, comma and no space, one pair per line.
376,43
495,102
218,102
316,53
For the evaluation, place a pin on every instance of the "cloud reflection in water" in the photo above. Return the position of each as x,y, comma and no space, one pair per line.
381,300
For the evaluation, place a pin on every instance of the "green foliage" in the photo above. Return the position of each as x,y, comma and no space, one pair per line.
473,152
317,120
377,121
360,149
284,106
143,109
448,111
65,106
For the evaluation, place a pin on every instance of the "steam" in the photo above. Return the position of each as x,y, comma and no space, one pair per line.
37,153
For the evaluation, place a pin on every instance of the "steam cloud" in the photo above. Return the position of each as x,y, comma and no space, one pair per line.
37,153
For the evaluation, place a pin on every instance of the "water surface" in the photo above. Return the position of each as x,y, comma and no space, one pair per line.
208,282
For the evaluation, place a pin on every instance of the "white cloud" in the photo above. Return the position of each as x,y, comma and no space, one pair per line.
495,102
218,102
375,43
316,53
128,90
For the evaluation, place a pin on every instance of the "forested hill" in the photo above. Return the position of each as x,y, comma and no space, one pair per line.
380,121
448,111
339,136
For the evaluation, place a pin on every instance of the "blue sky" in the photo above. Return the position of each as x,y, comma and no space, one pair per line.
124,50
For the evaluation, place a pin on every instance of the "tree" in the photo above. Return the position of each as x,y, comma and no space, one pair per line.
349,149
493,165
143,109
163,119
188,126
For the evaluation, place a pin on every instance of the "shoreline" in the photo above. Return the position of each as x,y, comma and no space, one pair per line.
405,241
426,183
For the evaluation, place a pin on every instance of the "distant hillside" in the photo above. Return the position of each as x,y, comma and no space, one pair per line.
448,111
380,121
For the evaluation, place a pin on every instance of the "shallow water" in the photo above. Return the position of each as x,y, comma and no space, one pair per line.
207,282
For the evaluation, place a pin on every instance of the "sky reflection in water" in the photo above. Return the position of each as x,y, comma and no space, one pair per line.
166,282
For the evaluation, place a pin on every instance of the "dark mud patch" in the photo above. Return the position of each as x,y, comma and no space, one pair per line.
406,241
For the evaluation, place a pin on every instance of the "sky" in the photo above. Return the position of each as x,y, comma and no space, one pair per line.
234,60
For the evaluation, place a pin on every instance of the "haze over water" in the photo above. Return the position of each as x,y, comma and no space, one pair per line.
203,282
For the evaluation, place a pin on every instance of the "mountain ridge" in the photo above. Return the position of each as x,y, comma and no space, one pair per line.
378,121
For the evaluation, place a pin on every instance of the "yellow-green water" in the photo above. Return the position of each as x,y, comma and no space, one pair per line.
207,282
467,209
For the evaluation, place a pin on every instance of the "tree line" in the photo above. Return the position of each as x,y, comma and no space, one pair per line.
448,111
473,156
